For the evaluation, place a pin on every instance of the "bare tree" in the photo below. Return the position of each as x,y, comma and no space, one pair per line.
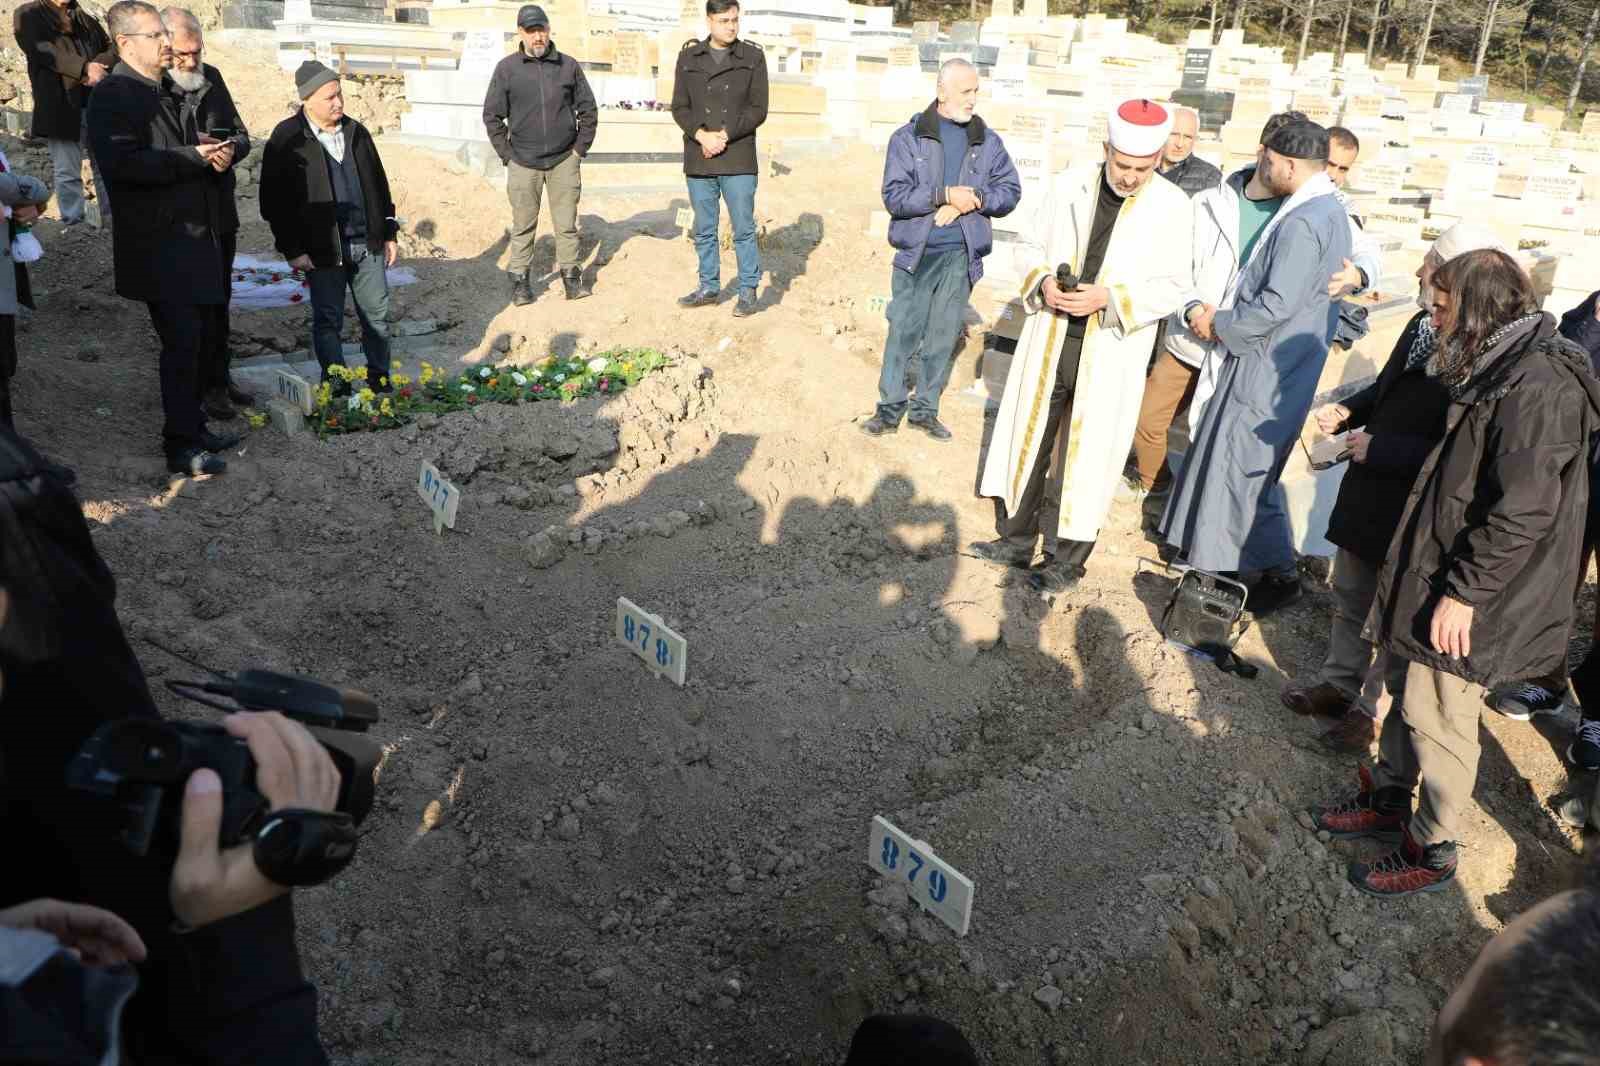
1238,14
1483,37
1211,23
1373,28
1305,33
1583,61
1344,34
1422,40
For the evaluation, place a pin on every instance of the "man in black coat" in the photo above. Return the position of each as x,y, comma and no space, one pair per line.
167,232
1391,426
210,117
719,99
1477,590
326,196
1179,164
68,54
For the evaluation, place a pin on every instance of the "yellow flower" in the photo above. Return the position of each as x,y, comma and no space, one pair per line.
339,371
627,368
493,382
325,394
385,409
366,395
360,372
399,381
427,373
383,382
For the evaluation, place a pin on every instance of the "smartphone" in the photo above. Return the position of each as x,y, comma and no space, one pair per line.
223,133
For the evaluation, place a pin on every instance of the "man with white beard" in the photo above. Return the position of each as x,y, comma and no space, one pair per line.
207,115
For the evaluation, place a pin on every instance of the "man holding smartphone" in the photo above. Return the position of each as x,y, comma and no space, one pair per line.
206,109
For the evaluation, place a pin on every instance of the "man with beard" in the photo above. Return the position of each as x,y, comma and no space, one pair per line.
169,215
206,110
1227,513
1095,297
540,115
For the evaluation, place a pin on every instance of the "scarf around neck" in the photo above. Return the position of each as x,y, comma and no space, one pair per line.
1491,350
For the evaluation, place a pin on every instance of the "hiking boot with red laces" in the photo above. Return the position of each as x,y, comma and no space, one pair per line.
1353,735
1320,699
1409,869
1373,812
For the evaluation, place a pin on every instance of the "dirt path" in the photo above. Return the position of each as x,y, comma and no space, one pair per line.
571,862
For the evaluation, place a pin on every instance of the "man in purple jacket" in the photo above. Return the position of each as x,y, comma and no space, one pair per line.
945,176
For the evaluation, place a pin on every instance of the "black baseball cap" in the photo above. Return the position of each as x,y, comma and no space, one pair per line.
531,15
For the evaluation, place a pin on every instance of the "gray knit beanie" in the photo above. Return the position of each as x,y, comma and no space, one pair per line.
312,76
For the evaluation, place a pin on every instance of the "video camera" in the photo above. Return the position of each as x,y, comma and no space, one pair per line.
144,763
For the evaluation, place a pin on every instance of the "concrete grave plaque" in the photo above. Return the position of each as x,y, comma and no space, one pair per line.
926,32
1197,67
482,50
1381,177
1478,86
1428,174
904,56
295,389
1002,9
648,637
1550,161
1360,83
441,497
1012,57
1469,180
628,58
1591,124
964,33
1502,129
804,34
1553,188
1363,105
1456,104
685,220
1507,109
935,885
1032,160
1486,154
838,57
1029,126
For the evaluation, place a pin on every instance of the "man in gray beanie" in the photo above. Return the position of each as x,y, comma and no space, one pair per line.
326,196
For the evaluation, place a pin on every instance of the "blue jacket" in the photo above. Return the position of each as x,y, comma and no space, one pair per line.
913,188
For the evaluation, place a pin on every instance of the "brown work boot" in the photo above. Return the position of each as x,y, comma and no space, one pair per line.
1320,699
1354,734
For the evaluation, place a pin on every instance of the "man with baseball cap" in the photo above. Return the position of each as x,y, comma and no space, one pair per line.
1099,276
1272,330
326,196
541,116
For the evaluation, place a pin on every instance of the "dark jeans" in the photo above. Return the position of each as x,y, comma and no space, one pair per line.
925,312
1037,514
216,357
363,274
182,329
8,367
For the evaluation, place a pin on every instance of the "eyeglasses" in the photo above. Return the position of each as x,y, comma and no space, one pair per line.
155,34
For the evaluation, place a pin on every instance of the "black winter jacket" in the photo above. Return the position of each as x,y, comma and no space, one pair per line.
1193,175
213,108
297,192
58,44
168,221
731,97
1496,517
1579,326
538,110
1404,411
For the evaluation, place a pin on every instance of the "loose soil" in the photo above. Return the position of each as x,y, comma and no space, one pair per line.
573,862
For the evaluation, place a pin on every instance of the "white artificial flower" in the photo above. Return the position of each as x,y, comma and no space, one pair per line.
354,402
484,372
468,388
536,373
518,378
597,364
561,377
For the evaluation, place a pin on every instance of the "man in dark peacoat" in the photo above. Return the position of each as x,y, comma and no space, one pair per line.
68,53
719,99
166,235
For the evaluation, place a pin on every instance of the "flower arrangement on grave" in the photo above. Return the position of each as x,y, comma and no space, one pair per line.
348,403
639,105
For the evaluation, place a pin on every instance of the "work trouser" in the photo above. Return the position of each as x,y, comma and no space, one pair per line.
1433,739
363,273
1349,665
182,329
66,163
524,187
1167,391
216,356
925,312
706,196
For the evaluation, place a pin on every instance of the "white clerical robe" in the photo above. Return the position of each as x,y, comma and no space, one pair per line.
1147,269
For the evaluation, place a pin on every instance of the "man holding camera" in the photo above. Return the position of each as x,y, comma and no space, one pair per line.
206,109
220,977
540,115
1096,288
169,221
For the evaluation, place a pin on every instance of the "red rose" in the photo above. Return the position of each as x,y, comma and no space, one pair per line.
295,298
472,399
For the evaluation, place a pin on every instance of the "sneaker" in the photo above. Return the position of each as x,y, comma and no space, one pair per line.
699,298
521,293
1003,552
1055,577
196,461
1584,751
1273,593
877,427
932,427
1320,699
1362,815
1409,869
1353,735
218,442
1522,702
216,405
746,305
572,282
